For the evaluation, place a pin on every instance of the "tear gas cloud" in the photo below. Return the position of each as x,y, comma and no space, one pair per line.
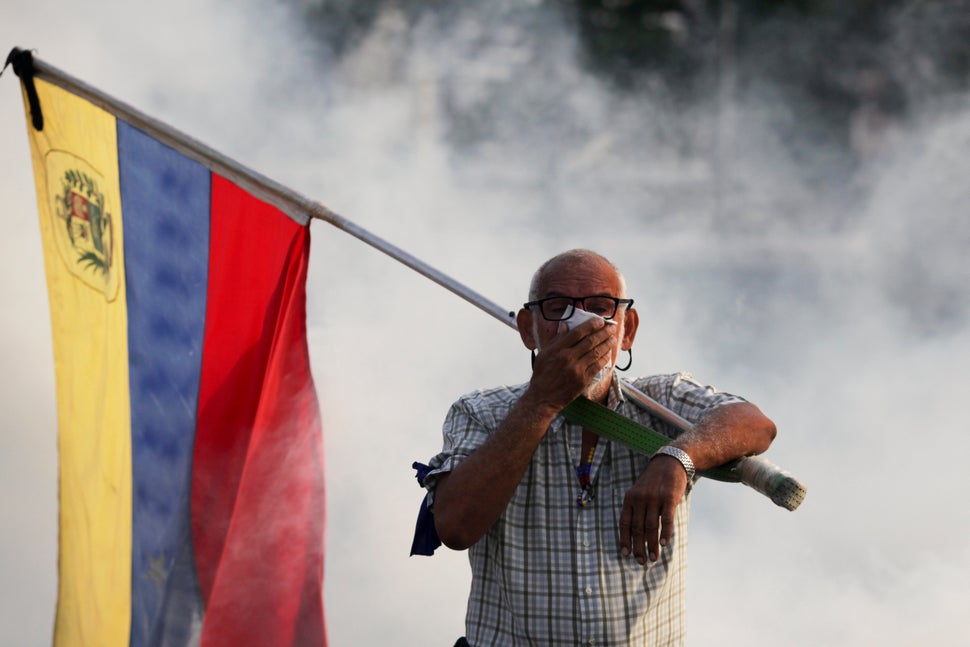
835,300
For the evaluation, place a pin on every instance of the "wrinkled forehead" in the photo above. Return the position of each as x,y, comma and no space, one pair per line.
580,277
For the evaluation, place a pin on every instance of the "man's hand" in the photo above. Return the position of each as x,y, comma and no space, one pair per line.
564,367
647,520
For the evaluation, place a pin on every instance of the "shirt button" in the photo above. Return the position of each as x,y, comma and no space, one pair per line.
591,641
589,590
586,543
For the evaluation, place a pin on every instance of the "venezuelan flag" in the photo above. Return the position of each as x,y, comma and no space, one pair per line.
191,467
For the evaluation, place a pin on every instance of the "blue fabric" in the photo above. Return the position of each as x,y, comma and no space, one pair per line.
426,538
165,197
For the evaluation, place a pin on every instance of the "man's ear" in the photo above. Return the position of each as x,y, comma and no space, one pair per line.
631,321
524,322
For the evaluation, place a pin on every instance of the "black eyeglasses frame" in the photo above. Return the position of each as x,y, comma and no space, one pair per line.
576,301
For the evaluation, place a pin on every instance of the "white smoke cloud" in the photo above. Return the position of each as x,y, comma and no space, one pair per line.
843,315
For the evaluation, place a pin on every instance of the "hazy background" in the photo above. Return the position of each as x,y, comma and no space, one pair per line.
786,191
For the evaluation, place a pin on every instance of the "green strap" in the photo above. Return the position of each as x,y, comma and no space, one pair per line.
640,438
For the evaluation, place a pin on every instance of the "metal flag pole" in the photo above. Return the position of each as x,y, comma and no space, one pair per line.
755,471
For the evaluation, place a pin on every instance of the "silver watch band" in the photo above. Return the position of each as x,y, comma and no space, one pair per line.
681,456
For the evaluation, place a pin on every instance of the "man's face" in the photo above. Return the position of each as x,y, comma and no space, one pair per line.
591,278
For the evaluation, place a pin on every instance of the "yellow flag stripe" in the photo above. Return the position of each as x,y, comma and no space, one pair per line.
76,170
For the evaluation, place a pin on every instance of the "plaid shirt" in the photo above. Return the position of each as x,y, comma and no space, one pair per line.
549,572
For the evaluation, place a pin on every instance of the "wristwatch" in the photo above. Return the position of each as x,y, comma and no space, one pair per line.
681,455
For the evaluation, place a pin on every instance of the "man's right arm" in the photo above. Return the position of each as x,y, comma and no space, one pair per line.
470,498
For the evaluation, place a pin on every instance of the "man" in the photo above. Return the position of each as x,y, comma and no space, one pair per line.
575,539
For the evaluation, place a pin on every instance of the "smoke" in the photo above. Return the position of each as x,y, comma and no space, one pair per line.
826,285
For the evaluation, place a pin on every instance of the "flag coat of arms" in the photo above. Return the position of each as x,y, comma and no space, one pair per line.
191,471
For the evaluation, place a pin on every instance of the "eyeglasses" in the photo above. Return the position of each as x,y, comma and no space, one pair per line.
559,308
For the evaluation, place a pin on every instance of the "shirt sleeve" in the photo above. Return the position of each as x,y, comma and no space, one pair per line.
469,423
684,395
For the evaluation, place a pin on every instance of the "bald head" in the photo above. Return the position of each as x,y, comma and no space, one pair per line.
575,260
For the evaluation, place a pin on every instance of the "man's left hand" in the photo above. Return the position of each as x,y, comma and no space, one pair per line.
647,520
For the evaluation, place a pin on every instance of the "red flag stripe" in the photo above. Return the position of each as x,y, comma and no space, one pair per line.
257,485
